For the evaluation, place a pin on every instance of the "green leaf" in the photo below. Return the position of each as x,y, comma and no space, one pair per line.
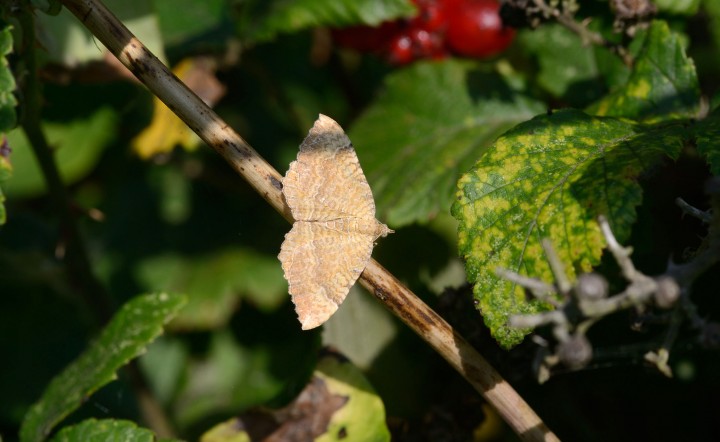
50,7
163,366
232,430
78,147
66,41
711,10
189,22
215,284
137,324
264,19
93,430
7,112
432,122
347,329
363,415
707,133
568,68
550,177
680,7
253,366
662,86
5,172
7,83
338,404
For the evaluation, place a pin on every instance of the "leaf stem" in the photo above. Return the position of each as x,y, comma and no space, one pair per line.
267,182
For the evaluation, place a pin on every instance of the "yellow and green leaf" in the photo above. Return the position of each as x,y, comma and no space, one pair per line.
662,86
550,177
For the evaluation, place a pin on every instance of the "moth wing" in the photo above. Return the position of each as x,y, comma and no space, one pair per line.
321,265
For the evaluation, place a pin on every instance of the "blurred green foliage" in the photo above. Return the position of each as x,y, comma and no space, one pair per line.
186,222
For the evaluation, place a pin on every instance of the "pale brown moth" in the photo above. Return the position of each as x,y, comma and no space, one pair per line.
335,229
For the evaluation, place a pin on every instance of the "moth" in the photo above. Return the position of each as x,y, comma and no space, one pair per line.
335,229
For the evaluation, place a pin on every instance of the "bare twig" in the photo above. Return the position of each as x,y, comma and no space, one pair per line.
267,182
557,267
621,254
540,290
537,320
590,300
660,360
666,291
703,216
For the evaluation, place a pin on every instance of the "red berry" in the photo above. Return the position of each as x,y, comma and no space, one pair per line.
401,41
425,44
400,50
366,38
475,28
431,16
414,44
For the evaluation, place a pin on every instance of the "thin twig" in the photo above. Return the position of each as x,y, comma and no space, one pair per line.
538,319
703,216
267,181
557,267
660,360
621,254
669,290
686,273
540,289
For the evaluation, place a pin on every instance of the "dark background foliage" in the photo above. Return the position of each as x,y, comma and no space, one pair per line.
183,221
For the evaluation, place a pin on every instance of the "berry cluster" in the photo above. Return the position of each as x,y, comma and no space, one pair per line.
470,28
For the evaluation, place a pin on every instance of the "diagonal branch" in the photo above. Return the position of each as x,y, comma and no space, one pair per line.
267,182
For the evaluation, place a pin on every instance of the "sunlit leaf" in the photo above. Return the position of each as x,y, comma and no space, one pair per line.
338,404
662,86
93,430
550,178
362,417
167,130
232,430
433,121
